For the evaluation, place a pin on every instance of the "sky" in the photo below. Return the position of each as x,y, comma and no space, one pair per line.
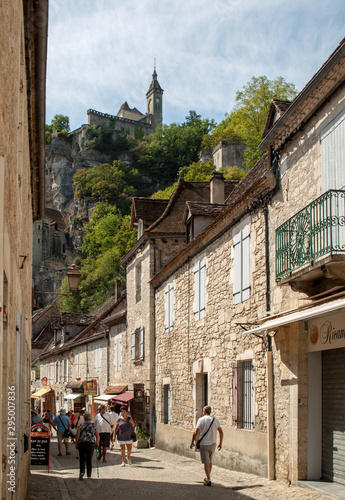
101,53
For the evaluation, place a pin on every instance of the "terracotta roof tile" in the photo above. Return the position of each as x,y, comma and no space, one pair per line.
147,209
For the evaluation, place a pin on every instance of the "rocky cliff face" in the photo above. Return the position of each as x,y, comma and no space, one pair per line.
63,159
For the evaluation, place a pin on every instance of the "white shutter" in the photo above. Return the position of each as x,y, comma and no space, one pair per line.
133,346
202,287
167,311
59,372
63,371
171,306
245,264
333,154
52,372
196,291
78,365
141,343
118,353
238,268
67,366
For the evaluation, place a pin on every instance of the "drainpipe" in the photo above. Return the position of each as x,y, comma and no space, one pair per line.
270,410
106,336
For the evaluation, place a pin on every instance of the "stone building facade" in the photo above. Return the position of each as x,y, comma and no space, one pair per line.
202,353
307,277
23,40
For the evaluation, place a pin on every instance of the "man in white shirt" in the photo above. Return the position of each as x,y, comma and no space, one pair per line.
206,432
114,416
104,425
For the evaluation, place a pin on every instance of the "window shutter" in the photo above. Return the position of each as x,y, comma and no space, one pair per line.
238,268
171,306
245,264
202,287
67,365
118,352
133,345
167,312
333,154
234,392
141,343
196,292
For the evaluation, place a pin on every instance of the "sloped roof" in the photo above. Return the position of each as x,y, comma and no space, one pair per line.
147,209
203,209
276,110
55,216
317,90
243,187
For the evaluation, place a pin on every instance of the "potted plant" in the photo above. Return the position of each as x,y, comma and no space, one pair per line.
143,439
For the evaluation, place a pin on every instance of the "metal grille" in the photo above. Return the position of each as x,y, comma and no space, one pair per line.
243,394
315,231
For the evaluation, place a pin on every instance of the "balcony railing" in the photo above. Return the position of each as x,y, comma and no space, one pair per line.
315,231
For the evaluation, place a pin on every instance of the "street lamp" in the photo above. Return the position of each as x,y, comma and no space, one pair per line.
73,278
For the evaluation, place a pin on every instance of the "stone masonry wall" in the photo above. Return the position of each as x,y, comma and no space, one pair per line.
216,342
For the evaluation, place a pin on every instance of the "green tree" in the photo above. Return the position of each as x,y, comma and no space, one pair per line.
106,183
247,119
60,123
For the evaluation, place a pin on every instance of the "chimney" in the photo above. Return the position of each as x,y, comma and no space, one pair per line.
217,192
117,289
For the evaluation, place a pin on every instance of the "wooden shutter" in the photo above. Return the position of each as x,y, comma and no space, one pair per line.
333,154
202,288
141,343
238,268
133,345
169,307
196,292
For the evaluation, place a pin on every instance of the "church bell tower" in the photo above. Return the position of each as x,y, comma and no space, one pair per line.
154,97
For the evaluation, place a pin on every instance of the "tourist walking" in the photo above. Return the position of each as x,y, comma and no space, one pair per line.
86,439
123,431
205,434
61,424
114,416
105,426
79,420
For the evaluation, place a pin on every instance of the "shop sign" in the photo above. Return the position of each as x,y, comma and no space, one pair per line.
90,387
326,332
44,381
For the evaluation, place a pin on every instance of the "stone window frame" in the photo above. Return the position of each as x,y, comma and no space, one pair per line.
241,403
138,345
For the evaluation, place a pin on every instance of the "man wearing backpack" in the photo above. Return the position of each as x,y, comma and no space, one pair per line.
62,425
205,436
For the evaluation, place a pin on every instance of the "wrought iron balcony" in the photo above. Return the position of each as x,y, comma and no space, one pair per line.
316,231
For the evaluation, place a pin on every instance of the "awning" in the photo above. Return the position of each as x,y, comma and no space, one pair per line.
40,393
103,397
299,315
123,398
73,395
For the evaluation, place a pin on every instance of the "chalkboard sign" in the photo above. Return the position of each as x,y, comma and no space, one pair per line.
40,445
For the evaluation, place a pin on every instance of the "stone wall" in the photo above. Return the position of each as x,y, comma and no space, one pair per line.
211,346
228,153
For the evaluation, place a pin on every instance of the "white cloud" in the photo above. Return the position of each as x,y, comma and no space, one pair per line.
101,53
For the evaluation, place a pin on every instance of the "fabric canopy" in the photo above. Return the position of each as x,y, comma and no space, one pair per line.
104,397
123,398
40,393
73,395
298,315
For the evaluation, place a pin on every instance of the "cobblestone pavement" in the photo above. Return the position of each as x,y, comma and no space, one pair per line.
154,474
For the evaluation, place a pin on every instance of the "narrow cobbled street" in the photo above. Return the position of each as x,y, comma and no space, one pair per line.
154,474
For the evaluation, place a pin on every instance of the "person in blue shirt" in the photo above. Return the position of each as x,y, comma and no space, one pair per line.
60,424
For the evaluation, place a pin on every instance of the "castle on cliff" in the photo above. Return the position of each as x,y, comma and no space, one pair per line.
131,119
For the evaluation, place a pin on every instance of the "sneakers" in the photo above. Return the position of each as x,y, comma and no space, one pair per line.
129,461
207,482
123,464
81,477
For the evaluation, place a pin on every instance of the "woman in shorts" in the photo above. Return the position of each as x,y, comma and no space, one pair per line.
123,430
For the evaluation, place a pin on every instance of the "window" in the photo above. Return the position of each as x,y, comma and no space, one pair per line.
52,372
62,371
117,360
241,263
137,344
166,404
138,282
333,154
242,394
169,307
98,358
199,289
